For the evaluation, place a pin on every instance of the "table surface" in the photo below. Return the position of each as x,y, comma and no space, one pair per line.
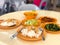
51,39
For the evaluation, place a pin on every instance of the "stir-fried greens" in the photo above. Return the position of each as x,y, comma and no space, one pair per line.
52,27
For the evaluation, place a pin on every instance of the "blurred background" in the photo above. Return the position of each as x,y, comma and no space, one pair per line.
7,6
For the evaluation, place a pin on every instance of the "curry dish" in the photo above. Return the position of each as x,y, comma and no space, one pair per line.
47,19
30,15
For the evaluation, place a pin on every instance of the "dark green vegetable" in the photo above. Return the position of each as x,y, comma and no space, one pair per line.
52,27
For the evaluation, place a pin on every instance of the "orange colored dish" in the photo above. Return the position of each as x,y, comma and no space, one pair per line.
9,24
52,28
30,15
46,19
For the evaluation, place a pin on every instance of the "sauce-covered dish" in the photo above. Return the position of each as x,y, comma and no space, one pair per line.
9,24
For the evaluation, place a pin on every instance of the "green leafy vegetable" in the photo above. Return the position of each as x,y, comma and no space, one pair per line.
52,27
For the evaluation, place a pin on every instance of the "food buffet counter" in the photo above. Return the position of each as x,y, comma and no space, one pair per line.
50,39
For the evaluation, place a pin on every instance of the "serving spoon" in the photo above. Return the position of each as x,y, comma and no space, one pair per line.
43,38
15,34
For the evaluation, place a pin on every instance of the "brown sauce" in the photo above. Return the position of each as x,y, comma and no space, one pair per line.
47,19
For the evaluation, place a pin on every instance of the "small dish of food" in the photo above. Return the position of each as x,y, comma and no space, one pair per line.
31,34
30,15
31,22
9,24
1,21
46,19
52,28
